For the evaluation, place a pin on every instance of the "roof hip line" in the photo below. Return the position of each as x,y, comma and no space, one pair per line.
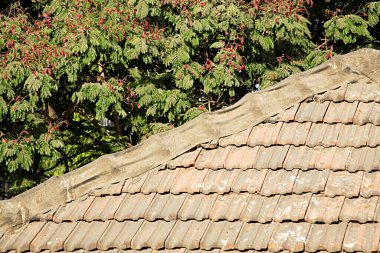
251,110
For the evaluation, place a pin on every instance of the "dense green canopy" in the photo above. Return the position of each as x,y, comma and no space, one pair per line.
145,66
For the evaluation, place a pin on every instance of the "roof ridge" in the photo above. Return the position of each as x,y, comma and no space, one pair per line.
252,109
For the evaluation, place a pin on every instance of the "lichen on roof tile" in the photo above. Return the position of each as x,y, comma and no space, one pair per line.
312,111
296,174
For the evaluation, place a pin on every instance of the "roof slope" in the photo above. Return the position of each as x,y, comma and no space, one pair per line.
304,179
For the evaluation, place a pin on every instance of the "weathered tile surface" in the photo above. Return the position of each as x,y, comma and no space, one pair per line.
311,111
304,180
324,209
328,237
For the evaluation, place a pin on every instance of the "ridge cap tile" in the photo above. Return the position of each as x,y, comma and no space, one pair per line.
305,179
153,148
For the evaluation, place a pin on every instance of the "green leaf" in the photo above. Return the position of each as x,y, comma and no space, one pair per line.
218,44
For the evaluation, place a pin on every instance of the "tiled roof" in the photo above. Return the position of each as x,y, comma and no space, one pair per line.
305,179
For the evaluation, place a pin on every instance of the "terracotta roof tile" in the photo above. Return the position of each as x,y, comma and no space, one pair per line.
212,159
286,115
376,216
340,112
205,251
85,235
133,185
330,137
294,133
147,250
271,157
259,208
221,235
188,180
325,158
335,95
238,139
159,181
119,235
327,237
306,179
359,209
255,236
354,135
186,234
103,208
279,182
242,158
343,183
73,211
213,144
204,158
219,158
164,206
370,183
324,209
311,111
249,181
317,134
364,92
301,158
113,189
152,235
310,181
264,134
179,250
343,157
362,237
186,160
133,206
334,158
219,181
374,137
292,207
367,113
324,135
289,236
229,207
367,159
21,239
197,207
52,236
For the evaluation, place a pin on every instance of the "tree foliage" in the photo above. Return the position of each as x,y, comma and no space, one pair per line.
147,66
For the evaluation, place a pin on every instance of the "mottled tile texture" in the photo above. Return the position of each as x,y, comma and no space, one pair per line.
307,179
